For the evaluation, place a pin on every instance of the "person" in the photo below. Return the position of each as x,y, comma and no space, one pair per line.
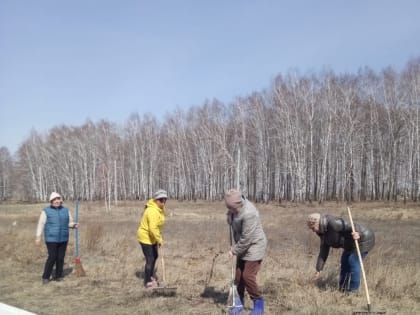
337,233
54,221
249,245
149,234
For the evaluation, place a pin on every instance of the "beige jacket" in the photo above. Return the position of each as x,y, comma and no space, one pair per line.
248,234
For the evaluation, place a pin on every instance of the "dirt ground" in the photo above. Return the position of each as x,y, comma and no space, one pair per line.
197,264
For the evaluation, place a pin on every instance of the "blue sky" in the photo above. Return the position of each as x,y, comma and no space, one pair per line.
63,62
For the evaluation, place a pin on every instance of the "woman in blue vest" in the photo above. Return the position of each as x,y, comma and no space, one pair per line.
55,221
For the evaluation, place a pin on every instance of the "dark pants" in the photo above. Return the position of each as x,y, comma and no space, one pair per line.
246,278
350,271
56,253
151,254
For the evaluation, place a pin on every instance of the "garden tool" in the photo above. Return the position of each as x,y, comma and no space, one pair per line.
162,288
369,309
234,300
80,272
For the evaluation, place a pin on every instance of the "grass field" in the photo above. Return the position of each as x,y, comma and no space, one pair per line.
197,263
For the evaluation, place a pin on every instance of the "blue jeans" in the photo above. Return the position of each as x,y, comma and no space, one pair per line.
350,271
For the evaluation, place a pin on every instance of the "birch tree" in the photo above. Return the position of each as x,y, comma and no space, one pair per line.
6,174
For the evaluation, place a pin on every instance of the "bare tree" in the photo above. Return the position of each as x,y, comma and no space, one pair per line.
6,173
310,137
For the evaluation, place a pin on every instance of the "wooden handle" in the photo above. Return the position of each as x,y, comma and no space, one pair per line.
163,266
360,260
233,257
233,288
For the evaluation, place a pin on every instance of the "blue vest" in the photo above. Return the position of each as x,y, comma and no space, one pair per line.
56,228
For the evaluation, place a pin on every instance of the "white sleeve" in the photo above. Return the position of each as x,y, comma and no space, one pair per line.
41,224
71,221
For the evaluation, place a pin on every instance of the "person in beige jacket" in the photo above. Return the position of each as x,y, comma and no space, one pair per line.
249,248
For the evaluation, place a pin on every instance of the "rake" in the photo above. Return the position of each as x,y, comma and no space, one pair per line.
164,289
80,272
369,309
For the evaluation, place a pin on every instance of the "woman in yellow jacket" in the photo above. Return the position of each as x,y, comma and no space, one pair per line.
149,234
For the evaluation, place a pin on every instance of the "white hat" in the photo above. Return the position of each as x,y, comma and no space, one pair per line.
160,194
54,195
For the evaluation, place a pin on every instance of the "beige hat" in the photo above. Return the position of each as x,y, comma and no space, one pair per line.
313,219
54,195
160,194
233,199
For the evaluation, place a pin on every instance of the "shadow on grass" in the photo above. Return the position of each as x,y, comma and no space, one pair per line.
218,297
67,271
329,282
139,274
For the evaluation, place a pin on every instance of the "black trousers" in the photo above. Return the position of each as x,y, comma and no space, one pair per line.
151,254
56,253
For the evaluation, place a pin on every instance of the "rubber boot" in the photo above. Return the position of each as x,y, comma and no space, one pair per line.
258,307
239,306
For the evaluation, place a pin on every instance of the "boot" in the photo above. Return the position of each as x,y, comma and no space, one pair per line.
258,307
239,306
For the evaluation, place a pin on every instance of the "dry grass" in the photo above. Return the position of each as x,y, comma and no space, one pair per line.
196,261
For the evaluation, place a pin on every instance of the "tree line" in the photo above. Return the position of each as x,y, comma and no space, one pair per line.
308,137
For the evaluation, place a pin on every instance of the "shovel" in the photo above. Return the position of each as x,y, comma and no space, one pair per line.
233,292
369,306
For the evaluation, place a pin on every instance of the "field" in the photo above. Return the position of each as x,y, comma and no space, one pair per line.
197,263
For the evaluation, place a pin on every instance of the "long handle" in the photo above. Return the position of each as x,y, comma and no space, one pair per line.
77,230
233,257
232,276
163,265
360,260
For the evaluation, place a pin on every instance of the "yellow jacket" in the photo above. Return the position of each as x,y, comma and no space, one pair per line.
151,222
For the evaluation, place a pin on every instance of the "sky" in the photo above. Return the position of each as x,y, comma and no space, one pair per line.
64,62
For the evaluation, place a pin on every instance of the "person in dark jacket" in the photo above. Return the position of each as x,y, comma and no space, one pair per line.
55,221
335,232
249,248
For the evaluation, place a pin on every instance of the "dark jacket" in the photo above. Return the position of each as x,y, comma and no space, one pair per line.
336,232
